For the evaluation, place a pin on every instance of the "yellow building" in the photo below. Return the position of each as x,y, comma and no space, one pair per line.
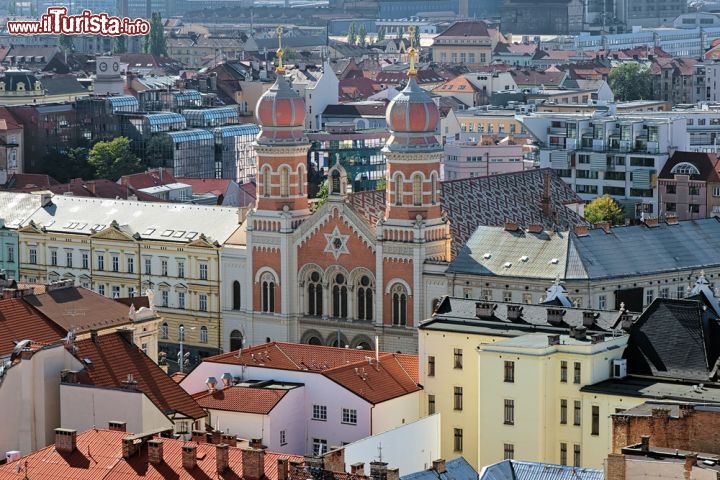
467,42
506,376
490,122
171,250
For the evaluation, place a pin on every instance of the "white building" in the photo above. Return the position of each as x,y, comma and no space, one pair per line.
482,159
319,89
346,394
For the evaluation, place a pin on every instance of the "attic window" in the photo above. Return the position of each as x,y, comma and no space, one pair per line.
87,361
167,233
80,226
149,231
191,235
179,234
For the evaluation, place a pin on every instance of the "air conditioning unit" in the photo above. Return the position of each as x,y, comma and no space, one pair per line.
619,368
12,455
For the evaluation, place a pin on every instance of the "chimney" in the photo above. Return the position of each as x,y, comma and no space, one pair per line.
283,469
65,440
198,437
117,426
484,309
130,383
256,443
605,226
357,469
535,228
334,460
439,465
128,447
580,333
514,312
222,457
69,376
378,470
511,226
597,338
94,336
126,334
671,219
581,231
651,222
546,205
615,467
216,437
229,439
690,462
553,340
555,316
645,443
155,451
393,474
253,460
189,457
589,318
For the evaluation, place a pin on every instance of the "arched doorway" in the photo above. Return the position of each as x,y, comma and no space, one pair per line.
236,340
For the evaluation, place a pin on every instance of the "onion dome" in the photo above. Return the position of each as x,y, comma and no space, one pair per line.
281,113
412,117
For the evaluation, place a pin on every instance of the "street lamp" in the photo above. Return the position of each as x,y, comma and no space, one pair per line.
183,358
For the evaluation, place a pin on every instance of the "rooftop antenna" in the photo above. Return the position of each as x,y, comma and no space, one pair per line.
280,70
379,447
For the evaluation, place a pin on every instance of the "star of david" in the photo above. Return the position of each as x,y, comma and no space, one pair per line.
336,243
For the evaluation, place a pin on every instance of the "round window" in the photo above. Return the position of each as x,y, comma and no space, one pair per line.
315,277
340,278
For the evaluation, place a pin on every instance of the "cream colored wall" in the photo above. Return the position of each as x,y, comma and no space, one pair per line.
396,412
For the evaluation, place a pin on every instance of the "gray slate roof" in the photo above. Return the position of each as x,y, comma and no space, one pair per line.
516,470
16,207
455,469
625,251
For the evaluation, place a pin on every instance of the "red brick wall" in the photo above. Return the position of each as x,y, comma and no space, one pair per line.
312,249
392,270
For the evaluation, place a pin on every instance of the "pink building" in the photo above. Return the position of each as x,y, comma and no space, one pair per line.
689,186
483,158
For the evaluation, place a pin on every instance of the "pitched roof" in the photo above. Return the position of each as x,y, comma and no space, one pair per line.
19,321
102,188
536,78
396,376
459,84
16,207
216,186
9,122
241,399
472,202
150,178
63,85
98,456
80,309
457,468
113,358
674,338
466,29
370,109
518,470
30,181
706,163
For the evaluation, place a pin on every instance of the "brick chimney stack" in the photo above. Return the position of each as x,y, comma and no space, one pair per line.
65,440
439,465
155,451
378,470
283,469
117,426
358,469
128,447
222,457
253,460
189,456
690,462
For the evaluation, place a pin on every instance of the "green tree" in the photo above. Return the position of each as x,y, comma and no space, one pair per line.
119,44
155,40
113,159
352,34
66,43
322,194
604,209
381,184
63,166
362,35
631,81
381,34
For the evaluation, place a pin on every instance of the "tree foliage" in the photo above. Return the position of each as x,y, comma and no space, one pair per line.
362,35
352,34
119,44
113,159
63,166
381,34
631,81
155,40
604,209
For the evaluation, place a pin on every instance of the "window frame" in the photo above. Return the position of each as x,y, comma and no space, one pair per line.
319,412
508,411
509,371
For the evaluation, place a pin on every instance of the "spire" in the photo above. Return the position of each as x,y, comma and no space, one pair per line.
411,51
280,70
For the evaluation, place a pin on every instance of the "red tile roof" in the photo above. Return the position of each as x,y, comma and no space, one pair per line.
9,122
396,376
113,359
101,188
30,182
80,309
19,321
150,178
98,456
215,186
241,399
456,85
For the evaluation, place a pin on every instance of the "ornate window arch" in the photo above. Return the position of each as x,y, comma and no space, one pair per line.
398,189
164,330
267,293
314,293
203,334
417,181
365,287
266,181
284,181
236,295
399,296
339,291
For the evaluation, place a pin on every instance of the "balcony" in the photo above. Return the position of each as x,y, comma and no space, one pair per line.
557,131
598,145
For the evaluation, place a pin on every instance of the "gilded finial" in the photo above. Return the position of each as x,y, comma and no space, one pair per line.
412,71
280,69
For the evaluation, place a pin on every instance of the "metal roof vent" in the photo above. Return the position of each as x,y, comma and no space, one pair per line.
553,261
487,256
507,265
524,258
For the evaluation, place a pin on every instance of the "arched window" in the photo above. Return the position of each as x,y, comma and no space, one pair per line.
399,305
236,295
203,334
268,293
364,298
433,186
685,168
301,180
181,333
398,190
236,340
164,331
339,296
284,182
314,293
335,182
417,190
266,182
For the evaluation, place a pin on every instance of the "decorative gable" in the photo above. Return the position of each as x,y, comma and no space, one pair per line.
30,228
202,242
113,232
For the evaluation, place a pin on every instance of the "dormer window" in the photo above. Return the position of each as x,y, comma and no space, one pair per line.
685,168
